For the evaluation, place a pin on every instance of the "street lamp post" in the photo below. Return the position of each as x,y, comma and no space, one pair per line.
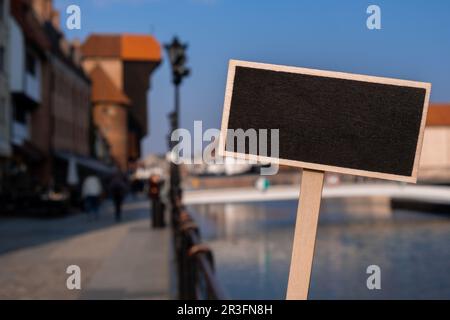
177,57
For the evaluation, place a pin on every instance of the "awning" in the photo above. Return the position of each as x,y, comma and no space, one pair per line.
87,162
29,151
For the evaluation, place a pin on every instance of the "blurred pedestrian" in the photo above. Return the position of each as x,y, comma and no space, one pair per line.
91,192
155,187
118,188
262,184
135,187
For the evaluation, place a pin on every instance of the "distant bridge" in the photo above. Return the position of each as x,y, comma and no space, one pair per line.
429,194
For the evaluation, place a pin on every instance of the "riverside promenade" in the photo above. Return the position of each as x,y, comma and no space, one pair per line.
118,261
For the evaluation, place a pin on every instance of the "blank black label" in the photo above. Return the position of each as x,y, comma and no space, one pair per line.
330,121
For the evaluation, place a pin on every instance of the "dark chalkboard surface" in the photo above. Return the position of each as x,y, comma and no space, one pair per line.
330,121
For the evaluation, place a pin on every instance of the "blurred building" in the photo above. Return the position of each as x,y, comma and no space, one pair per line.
61,126
5,107
28,47
110,115
435,159
51,134
120,67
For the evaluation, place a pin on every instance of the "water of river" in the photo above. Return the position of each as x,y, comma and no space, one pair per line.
252,248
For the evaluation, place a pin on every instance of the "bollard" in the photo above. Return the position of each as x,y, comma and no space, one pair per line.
157,205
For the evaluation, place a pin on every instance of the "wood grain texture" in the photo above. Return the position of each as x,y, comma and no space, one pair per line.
305,235
329,121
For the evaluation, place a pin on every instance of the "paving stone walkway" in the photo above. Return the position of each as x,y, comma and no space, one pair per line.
118,261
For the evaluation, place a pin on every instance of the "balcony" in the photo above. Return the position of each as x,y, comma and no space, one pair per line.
33,87
20,133
25,69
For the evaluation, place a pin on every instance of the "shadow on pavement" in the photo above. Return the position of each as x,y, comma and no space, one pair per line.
19,233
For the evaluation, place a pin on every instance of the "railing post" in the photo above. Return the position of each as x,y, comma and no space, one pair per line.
186,270
195,263
196,252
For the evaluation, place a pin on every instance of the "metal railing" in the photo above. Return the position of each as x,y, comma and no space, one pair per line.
195,261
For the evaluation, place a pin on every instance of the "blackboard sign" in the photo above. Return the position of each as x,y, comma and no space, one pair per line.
329,121
326,121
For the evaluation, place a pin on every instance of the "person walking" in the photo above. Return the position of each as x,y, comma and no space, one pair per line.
157,209
118,189
91,192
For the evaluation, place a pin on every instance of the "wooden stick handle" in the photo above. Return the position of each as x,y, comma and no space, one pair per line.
305,235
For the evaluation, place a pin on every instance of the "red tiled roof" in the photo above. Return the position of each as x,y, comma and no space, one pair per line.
438,115
128,47
106,46
140,48
104,90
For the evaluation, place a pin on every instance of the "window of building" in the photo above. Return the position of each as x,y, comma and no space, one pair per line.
2,10
2,59
2,111
20,114
31,63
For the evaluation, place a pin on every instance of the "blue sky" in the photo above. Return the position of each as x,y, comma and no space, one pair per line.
414,43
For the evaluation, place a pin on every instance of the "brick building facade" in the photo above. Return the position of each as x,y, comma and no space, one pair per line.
61,127
28,45
110,112
50,95
124,63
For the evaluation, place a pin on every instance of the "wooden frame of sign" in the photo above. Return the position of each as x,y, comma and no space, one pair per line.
328,121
